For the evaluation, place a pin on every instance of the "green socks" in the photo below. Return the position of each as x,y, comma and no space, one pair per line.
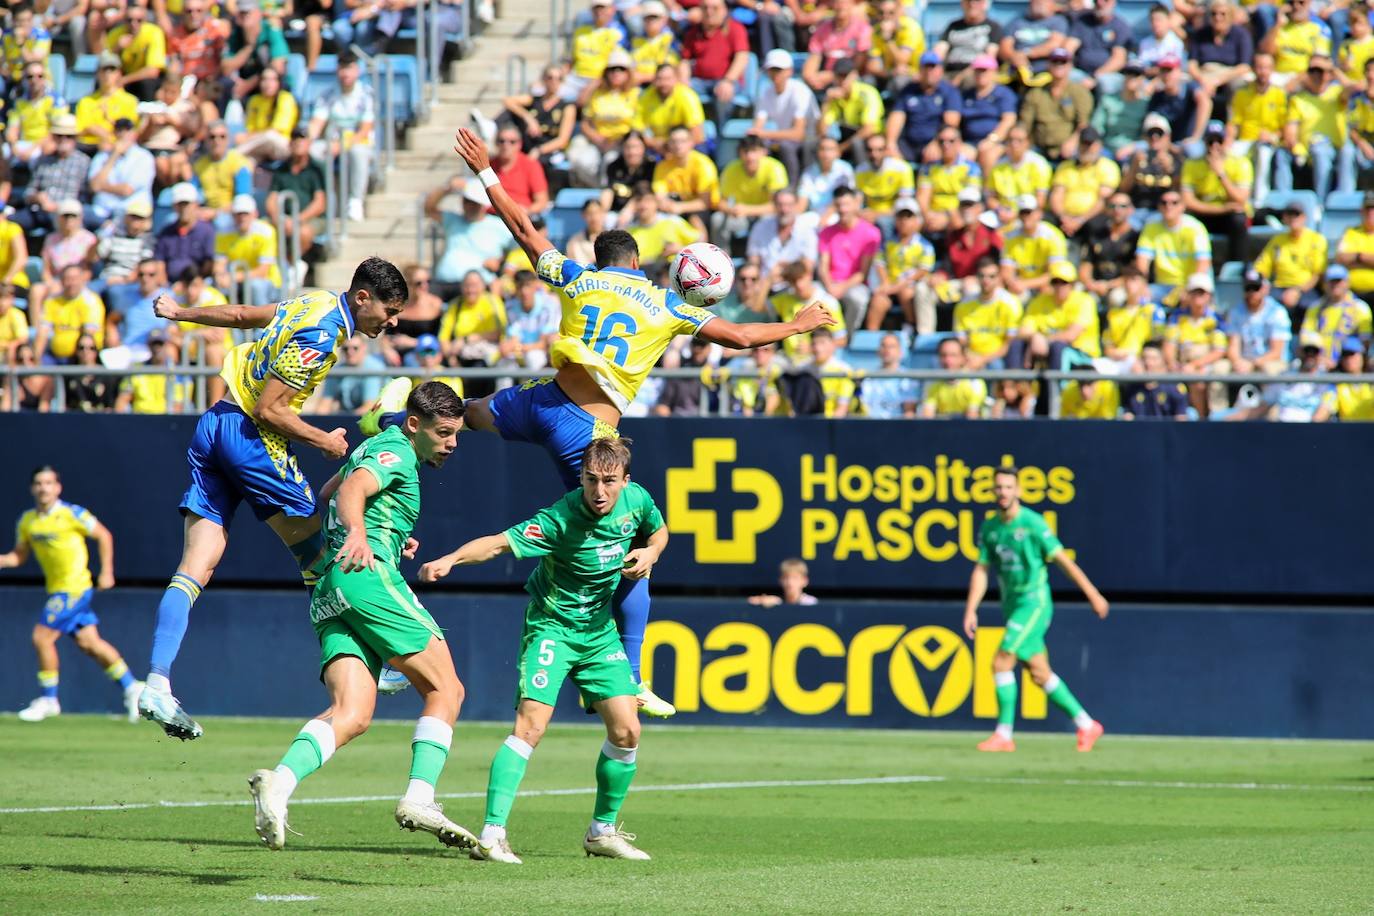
615,770
1006,701
311,750
1062,697
428,754
507,769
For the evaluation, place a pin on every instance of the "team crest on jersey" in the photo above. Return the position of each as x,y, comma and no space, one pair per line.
1019,534
540,679
627,524
310,356
534,532
387,459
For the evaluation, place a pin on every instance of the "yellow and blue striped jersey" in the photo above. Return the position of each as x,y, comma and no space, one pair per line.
616,324
299,347
58,541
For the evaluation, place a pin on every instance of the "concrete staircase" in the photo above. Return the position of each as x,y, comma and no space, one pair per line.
427,159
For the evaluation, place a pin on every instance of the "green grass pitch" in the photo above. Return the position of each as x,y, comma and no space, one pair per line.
1138,826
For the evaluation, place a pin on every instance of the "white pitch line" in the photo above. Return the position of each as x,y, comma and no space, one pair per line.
719,786
284,898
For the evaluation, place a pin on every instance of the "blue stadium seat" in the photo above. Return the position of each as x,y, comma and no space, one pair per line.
731,133
923,351
860,360
1343,210
750,91
163,212
868,341
320,80
57,69
405,86
941,13
574,198
296,74
1277,200
798,61
563,223
81,79
1232,270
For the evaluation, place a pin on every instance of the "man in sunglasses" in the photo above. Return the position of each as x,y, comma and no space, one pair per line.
1315,128
1216,189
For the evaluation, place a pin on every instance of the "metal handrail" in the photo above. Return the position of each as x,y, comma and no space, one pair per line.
424,66
420,219
331,198
288,244
389,107
516,62
378,166
436,46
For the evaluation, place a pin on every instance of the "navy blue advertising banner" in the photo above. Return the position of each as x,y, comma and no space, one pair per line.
1224,510
1281,672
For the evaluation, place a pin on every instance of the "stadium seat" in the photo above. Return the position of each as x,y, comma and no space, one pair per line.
860,360
574,198
81,78
924,349
1262,231
57,69
940,13
405,86
750,82
1343,210
296,75
868,341
563,222
163,212
727,147
320,80
1232,270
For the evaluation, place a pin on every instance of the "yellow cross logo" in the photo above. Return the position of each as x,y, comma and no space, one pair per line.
747,523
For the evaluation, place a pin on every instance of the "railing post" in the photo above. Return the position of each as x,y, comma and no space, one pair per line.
345,186
331,197
289,244
422,61
389,74
554,29
516,62
420,230
436,49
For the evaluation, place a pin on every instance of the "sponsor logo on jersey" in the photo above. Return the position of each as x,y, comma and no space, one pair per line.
310,356
387,459
534,532
618,657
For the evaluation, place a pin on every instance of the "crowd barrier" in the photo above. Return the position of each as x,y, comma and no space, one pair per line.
1147,670
882,508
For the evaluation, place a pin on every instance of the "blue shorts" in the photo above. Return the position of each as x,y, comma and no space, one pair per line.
538,411
68,613
232,460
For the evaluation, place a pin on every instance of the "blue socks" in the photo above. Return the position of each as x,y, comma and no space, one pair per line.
173,613
307,554
393,419
631,609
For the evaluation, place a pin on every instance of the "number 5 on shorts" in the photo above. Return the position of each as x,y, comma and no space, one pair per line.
546,652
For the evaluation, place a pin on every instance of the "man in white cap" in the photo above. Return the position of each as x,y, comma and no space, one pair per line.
121,247
656,46
188,241
473,239
784,112
1195,342
248,254
591,51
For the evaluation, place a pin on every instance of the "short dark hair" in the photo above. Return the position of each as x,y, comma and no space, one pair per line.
590,202
749,142
435,400
44,469
1007,470
954,340
985,261
345,58
844,190
608,452
380,278
615,248
525,277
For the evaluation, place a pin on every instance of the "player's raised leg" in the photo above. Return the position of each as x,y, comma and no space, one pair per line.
1089,730
45,705
615,770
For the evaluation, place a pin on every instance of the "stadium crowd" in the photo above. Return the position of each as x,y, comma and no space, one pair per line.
1104,187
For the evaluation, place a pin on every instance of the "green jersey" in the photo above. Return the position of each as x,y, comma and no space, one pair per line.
582,554
391,514
1017,551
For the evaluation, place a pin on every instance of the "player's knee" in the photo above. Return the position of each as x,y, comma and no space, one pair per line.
624,734
1041,676
1003,661
350,723
528,731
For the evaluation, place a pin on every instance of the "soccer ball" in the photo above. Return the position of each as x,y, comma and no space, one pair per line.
702,274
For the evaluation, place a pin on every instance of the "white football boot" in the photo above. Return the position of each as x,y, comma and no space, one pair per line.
131,700
430,818
41,708
269,812
614,845
651,704
495,851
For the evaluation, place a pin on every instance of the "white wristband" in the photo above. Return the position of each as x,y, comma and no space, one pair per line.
488,178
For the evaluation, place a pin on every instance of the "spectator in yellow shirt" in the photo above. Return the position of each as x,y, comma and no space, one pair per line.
1294,40
747,187
1021,171
248,254
592,46
1195,342
31,115
1089,398
659,236
802,290
1131,324
148,393
1081,185
669,103
1176,245
471,328
904,265
855,107
837,378
897,43
270,116
97,112
1355,53
1315,129
1354,400
74,310
1293,261
142,49
1216,189
686,181
611,112
886,177
1030,249
955,397
1357,156
1259,110
937,190
14,327
1356,250
657,46
223,174
1337,316
988,321
1057,320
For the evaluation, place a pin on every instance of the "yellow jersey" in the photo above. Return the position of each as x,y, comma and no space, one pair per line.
34,117
68,319
682,108
38,44
862,107
651,53
97,110
1335,321
9,231
1102,403
688,181
900,259
956,398
591,48
146,49
986,326
1175,252
1031,175
58,541
1049,316
298,347
1031,253
1083,184
1353,55
485,316
654,239
882,186
612,114
946,180
1318,115
788,304
249,250
218,179
1254,111
908,36
1199,177
1295,44
1289,261
738,185
1205,330
1357,240
1360,115
1130,327
1355,401
837,384
149,393
616,324
278,114
14,326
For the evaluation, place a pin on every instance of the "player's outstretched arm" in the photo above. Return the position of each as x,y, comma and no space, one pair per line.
757,334
1085,585
474,153
16,557
104,541
640,561
349,504
273,411
977,591
216,316
479,550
